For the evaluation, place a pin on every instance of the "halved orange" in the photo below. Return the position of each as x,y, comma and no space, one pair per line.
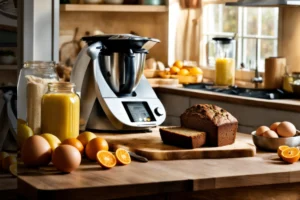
290,155
280,149
106,159
123,156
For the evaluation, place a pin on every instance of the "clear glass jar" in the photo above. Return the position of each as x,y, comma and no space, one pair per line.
32,84
61,110
225,61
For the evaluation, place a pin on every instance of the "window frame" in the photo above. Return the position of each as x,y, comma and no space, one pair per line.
240,36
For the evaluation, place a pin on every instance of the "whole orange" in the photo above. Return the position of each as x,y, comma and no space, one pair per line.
7,161
184,72
178,63
95,145
85,137
174,70
75,143
196,71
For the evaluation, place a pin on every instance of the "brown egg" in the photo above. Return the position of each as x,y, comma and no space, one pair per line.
260,130
286,129
36,151
270,134
274,126
66,158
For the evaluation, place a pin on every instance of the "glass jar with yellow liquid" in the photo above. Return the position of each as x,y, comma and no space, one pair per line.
224,61
61,110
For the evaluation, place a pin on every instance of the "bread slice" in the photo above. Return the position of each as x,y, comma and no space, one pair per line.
182,137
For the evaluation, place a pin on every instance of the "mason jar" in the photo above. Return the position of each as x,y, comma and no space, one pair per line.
32,84
61,110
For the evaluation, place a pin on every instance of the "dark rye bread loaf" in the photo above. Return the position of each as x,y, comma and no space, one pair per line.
219,125
182,137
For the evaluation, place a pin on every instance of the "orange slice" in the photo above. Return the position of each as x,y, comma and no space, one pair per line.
106,159
280,149
290,155
123,156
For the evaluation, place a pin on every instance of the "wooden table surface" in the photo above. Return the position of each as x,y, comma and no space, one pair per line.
279,104
8,186
157,177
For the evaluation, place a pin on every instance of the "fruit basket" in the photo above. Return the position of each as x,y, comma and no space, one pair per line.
186,72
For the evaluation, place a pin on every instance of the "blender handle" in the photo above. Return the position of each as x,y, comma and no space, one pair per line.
129,72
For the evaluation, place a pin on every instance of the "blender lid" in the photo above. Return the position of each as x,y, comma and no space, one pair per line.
122,41
223,40
117,37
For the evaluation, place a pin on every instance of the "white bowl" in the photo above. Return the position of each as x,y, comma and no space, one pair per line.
272,144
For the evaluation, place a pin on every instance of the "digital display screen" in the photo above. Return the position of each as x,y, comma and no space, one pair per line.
139,111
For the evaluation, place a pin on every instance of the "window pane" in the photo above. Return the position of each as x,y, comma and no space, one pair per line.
230,19
211,52
212,15
269,21
268,49
249,54
251,21
216,18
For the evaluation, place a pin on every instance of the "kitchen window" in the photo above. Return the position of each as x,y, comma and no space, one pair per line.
250,24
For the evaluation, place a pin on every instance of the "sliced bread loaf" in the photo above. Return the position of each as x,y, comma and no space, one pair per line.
182,137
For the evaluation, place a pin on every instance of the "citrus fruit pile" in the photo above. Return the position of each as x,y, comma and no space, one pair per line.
66,156
288,154
179,68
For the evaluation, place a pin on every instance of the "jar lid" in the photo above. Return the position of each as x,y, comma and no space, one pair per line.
40,64
223,40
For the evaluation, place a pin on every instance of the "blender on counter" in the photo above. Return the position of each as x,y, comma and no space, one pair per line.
224,61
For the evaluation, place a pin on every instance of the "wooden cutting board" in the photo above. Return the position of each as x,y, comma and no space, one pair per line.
156,82
151,146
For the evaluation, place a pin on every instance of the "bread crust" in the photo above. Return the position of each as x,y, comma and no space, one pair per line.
219,124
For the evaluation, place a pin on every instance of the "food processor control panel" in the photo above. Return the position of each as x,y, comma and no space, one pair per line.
139,111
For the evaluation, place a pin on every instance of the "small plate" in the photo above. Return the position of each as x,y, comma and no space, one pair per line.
272,144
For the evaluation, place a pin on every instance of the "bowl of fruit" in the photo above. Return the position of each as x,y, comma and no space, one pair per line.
278,134
186,72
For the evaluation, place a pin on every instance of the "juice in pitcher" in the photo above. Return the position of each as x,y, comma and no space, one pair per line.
61,111
225,61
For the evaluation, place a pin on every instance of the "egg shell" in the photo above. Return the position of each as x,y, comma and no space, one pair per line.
66,158
260,130
36,151
270,134
286,129
274,126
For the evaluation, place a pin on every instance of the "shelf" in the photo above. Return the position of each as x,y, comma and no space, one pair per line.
8,67
8,44
112,8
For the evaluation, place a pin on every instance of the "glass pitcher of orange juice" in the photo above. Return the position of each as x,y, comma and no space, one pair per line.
224,61
61,110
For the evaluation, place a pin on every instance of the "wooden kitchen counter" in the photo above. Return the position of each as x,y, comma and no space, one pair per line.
281,104
161,179
8,186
